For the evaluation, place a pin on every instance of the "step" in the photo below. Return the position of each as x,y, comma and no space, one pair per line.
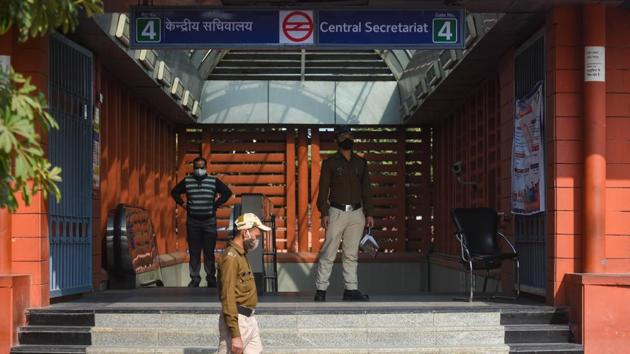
501,349
303,337
47,349
57,318
58,335
515,334
551,348
300,320
535,317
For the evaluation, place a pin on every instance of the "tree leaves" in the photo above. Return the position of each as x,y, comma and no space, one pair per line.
23,165
34,18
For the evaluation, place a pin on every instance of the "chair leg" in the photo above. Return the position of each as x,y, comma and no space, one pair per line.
516,284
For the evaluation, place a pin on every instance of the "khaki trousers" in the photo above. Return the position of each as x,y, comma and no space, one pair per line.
250,335
345,227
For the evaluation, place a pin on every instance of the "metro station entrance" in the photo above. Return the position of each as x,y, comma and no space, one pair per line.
471,108
262,109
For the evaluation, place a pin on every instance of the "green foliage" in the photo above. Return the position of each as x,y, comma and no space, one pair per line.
23,165
34,18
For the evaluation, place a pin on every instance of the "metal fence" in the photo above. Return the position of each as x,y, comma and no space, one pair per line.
70,147
530,231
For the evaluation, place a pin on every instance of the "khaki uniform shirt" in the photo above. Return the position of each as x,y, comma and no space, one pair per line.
236,285
344,181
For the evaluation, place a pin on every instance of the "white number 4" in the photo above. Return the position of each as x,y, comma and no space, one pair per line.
445,31
149,30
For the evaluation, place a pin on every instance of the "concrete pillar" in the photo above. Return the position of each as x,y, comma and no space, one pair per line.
594,40
5,241
6,48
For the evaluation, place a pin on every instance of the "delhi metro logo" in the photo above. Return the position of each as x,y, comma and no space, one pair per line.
296,27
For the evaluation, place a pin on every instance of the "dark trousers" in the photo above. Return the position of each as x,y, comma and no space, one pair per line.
201,236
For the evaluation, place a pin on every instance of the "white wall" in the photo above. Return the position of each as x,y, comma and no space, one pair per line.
296,102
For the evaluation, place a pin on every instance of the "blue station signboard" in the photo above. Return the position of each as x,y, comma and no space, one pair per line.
221,28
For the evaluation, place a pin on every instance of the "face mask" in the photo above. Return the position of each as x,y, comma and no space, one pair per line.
346,144
250,244
200,172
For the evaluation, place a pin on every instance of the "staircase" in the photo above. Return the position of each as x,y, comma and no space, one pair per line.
292,330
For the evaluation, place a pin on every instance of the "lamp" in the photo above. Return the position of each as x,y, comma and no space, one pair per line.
177,90
421,88
196,109
470,30
434,74
188,100
147,58
448,58
163,74
122,30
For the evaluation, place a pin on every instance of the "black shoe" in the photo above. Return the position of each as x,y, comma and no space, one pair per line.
212,282
320,296
355,295
194,283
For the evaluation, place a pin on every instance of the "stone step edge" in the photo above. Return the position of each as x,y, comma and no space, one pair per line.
296,310
311,329
536,327
268,348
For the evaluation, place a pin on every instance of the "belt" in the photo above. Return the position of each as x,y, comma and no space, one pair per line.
345,207
245,311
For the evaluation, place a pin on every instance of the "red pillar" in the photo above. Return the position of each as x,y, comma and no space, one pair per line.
5,241
594,34
6,48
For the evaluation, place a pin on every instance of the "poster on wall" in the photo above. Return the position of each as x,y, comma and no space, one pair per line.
96,149
528,157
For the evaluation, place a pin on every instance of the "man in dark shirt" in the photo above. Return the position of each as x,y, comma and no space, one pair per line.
345,202
204,194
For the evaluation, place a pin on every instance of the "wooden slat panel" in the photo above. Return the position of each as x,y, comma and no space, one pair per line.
377,177
259,147
384,191
248,136
258,189
252,179
358,147
291,243
303,187
383,168
259,157
374,157
246,168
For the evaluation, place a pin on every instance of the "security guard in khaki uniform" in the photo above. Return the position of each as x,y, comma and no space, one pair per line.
238,329
345,202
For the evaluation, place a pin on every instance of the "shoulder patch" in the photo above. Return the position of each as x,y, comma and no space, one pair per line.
231,254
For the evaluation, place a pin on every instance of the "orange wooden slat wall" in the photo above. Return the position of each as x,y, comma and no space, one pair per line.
283,163
137,162
470,135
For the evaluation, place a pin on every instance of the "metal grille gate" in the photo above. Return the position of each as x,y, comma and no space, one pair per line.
530,231
70,147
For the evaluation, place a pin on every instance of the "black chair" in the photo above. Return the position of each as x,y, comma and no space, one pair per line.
476,231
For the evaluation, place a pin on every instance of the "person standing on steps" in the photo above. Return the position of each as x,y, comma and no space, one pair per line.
204,194
238,329
345,202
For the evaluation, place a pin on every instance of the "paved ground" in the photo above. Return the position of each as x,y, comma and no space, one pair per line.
206,300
